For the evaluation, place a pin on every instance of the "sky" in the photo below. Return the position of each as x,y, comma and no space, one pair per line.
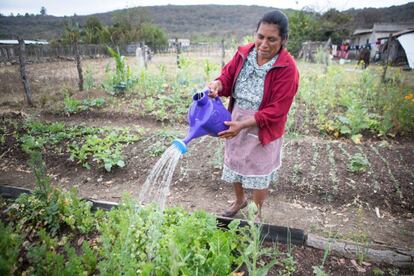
85,7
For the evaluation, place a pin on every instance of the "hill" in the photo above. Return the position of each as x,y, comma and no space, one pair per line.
191,21
365,18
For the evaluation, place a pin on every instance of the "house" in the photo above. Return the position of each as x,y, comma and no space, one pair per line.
398,48
369,37
184,42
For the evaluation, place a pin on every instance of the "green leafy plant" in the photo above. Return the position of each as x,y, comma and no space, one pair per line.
10,244
48,207
53,213
2,135
209,68
145,240
377,272
163,139
122,80
339,108
254,252
72,106
45,258
84,144
393,271
358,163
318,270
105,151
89,82
289,265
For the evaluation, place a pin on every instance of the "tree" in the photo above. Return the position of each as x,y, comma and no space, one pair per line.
106,35
302,26
91,32
153,35
71,36
23,75
127,25
333,24
42,11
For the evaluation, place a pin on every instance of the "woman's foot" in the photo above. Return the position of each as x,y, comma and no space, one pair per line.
235,207
258,219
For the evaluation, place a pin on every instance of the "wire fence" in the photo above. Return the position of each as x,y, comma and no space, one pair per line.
49,53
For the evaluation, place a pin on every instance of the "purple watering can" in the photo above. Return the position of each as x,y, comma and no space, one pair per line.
206,116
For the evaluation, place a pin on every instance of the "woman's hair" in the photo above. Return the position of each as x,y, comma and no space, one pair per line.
278,18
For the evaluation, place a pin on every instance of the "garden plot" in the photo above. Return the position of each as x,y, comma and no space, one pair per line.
332,182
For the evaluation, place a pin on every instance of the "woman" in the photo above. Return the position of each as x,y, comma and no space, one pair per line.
262,80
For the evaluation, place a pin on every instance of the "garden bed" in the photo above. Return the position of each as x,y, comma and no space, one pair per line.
58,239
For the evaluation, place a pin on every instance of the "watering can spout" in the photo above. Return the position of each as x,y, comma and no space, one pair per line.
180,145
206,116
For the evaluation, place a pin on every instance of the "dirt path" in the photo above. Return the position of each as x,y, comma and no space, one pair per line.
315,191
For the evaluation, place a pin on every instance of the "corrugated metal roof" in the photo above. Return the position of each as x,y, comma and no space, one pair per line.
400,33
362,31
403,32
15,42
386,27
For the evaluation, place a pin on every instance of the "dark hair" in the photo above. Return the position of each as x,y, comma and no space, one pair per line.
278,18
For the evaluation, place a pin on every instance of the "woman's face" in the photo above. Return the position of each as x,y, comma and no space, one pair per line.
267,41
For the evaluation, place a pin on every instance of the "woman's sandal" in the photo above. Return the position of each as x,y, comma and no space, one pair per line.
231,213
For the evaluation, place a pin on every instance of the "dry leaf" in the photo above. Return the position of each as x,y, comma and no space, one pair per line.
80,241
358,268
377,212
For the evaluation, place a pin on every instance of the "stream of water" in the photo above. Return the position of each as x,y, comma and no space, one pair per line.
157,184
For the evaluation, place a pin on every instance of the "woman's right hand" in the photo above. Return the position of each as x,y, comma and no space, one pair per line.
214,86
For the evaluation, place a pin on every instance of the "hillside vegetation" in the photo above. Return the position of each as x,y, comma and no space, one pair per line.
213,21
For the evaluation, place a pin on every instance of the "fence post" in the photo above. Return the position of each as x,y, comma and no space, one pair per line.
8,55
22,61
145,55
79,66
178,50
384,72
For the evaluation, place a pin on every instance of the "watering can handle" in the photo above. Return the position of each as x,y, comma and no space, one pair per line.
207,91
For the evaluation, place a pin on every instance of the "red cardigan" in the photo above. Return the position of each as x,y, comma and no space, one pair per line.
280,86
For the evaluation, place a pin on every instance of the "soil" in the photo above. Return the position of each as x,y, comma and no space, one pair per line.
315,190
304,197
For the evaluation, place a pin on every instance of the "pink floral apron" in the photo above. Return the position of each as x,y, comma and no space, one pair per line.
246,157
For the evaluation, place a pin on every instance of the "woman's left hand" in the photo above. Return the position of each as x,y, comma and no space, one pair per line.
233,130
